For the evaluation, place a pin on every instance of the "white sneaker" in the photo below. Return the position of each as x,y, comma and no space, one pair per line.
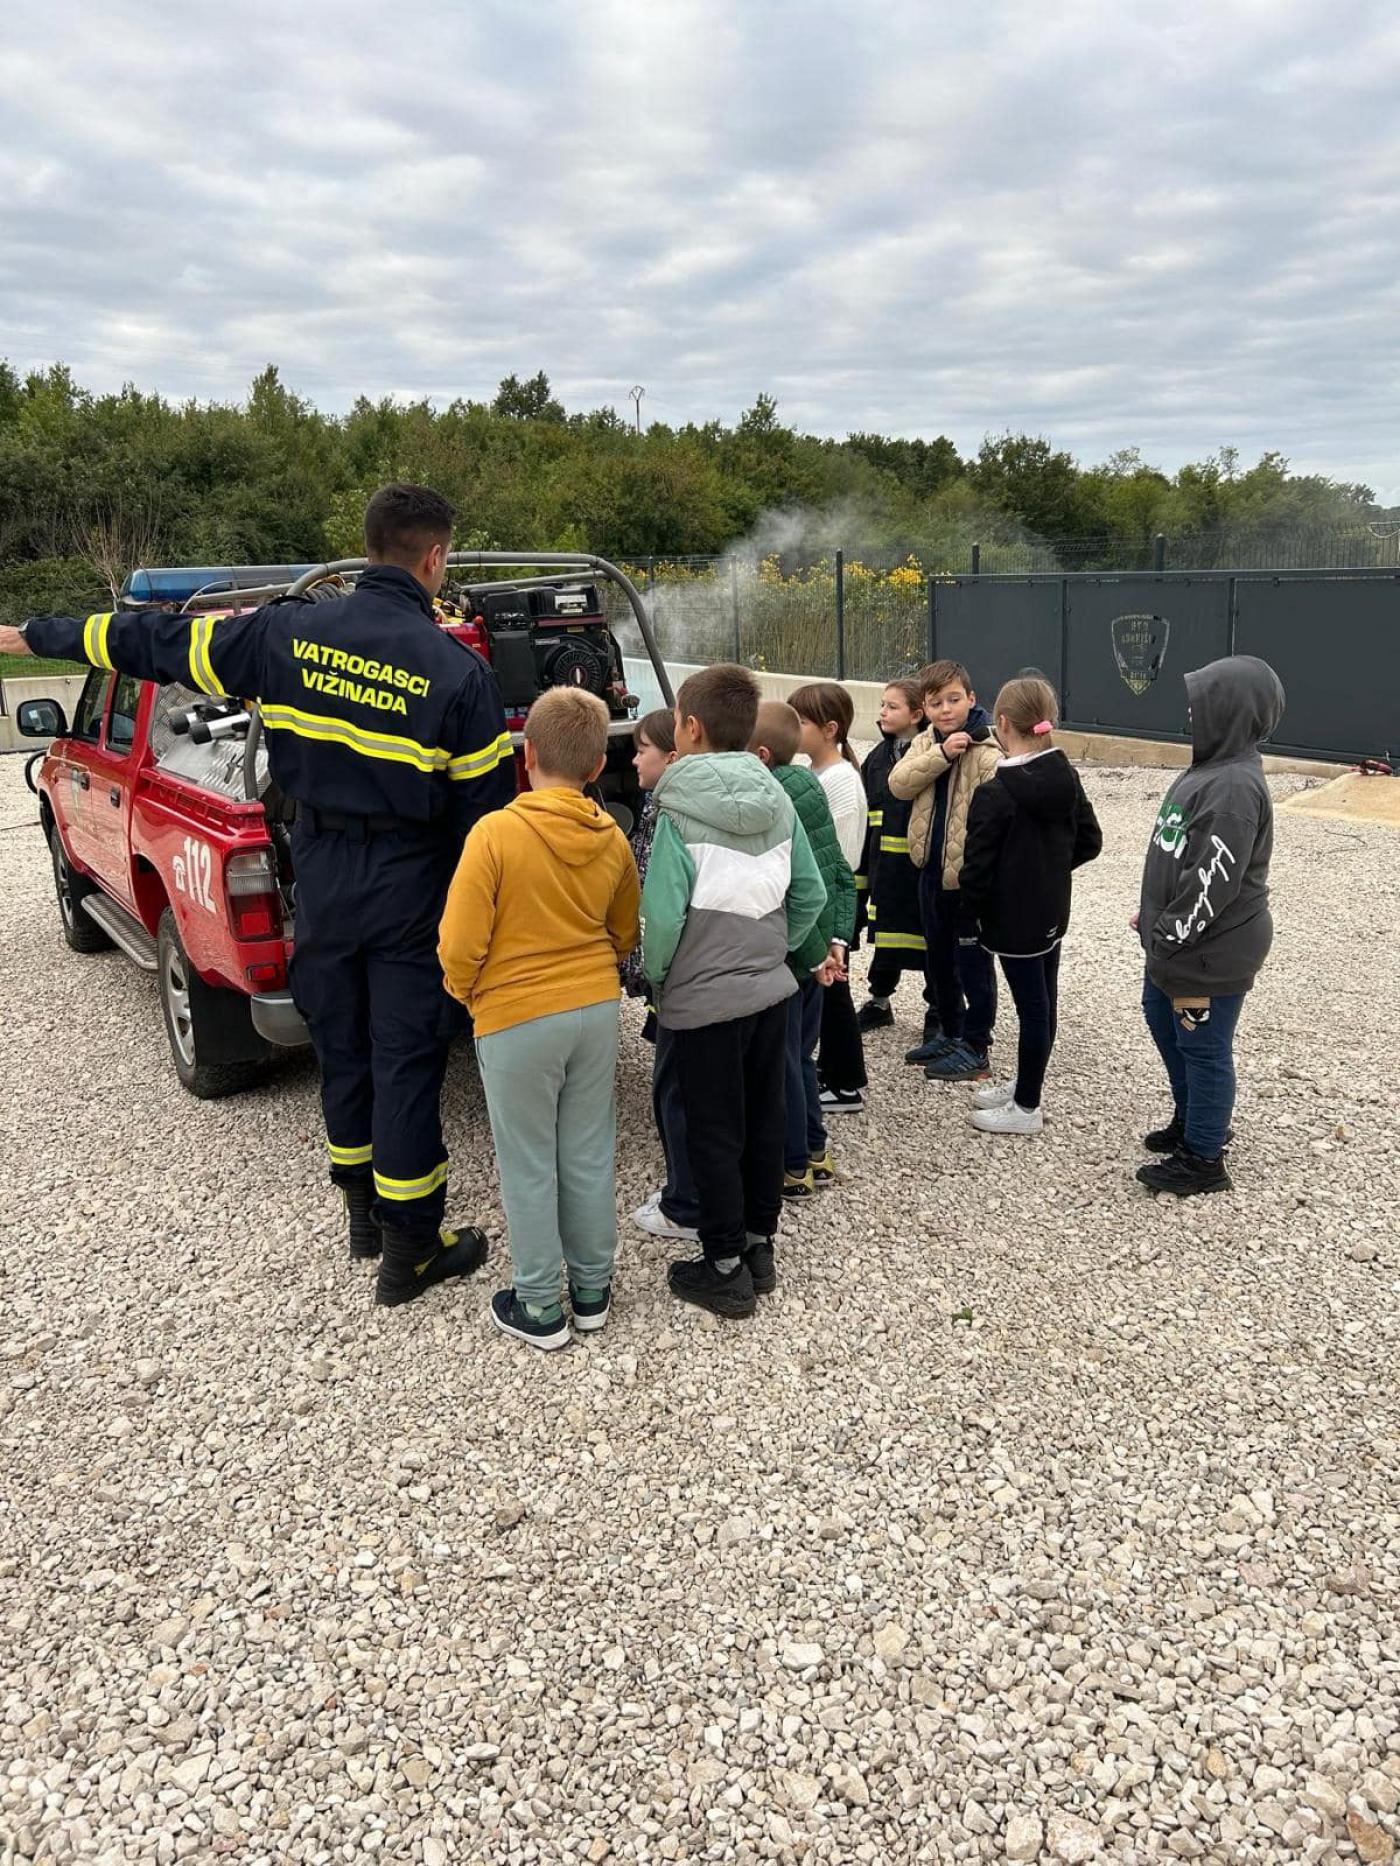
993,1094
1008,1119
655,1223
651,1203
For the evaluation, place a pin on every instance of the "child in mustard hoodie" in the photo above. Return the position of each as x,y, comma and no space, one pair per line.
541,911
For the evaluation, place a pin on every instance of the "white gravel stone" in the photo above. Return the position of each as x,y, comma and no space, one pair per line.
1025,1836
1030,1518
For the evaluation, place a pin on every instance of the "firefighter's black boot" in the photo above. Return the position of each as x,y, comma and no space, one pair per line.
366,1240
411,1264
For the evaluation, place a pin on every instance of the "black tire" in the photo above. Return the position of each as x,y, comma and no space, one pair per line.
210,1031
72,889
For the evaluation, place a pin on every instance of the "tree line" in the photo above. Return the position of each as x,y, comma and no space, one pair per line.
93,485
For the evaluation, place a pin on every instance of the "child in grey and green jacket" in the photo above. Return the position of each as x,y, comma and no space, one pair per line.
731,888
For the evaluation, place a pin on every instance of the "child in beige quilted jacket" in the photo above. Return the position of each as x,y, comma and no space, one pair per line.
950,758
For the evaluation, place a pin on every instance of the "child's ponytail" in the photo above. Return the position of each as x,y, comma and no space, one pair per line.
1029,706
827,703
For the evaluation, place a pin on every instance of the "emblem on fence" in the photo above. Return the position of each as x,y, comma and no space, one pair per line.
1139,648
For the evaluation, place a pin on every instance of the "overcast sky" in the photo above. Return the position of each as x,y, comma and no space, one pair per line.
1116,224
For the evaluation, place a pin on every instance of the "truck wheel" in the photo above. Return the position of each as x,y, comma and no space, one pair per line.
72,889
197,1022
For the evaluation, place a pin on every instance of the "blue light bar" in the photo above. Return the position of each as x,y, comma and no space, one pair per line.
178,585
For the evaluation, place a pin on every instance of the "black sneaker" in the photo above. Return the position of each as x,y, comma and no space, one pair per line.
699,1282
512,1318
1169,1138
762,1267
1185,1173
872,1016
842,1101
929,1049
959,1063
590,1312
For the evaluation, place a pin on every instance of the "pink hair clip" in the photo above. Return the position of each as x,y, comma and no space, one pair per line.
1042,725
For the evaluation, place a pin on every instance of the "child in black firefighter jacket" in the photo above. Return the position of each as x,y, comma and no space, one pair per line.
888,882
1027,830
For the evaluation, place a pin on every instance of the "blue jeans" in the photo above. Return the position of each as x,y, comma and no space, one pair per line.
679,1200
805,1138
1200,1065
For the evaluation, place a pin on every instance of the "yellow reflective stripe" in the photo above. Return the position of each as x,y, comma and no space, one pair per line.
201,667
355,738
862,881
349,1156
479,764
906,942
894,845
875,818
95,641
402,1189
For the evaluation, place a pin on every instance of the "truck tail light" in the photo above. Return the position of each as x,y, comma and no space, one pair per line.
254,905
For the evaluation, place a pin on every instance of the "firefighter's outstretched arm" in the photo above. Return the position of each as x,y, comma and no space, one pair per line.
213,654
481,770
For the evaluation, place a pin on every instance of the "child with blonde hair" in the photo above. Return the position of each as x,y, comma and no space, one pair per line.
1028,828
541,911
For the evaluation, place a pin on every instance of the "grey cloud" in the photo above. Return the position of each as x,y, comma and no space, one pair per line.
1169,232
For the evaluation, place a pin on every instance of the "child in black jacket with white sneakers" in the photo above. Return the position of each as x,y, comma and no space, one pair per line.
1027,830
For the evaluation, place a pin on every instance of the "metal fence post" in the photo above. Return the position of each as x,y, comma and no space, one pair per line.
1065,712
977,560
734,605
931,641
1159,551
840,615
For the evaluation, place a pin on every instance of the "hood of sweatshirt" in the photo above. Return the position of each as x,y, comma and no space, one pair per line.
571,825
1234,704
730,791
1044,786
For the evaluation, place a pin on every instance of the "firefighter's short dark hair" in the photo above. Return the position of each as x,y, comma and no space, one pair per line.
403,521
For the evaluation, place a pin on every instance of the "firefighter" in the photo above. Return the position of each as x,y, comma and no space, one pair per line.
391,739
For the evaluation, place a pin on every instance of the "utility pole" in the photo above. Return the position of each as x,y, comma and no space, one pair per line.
637,393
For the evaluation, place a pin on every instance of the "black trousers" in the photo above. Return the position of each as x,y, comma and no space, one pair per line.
963,978
732,1078
1035,989
886,970
841,1058
366,978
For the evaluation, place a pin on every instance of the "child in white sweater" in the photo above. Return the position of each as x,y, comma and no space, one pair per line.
827,713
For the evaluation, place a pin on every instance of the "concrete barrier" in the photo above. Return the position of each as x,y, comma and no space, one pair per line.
1094,748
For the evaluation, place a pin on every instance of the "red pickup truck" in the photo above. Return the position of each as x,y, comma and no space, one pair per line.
168,841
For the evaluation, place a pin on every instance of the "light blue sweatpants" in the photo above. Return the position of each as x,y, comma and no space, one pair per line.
551,1091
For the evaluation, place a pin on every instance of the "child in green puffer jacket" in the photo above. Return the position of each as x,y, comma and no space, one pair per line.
823,955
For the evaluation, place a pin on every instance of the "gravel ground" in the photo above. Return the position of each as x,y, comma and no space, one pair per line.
1034,1519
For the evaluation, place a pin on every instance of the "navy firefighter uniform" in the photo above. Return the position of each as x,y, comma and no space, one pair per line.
391,738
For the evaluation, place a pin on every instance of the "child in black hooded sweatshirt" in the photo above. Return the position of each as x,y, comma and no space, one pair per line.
1027,830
